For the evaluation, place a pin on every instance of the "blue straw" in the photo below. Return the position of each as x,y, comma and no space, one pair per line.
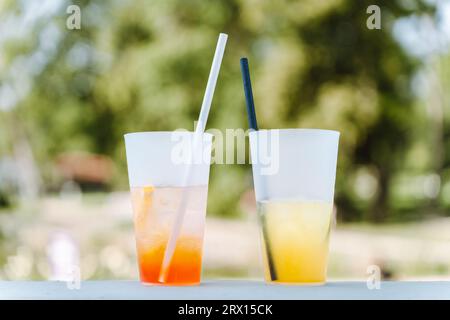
251,114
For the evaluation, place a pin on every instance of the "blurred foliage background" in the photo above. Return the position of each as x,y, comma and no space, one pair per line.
68,96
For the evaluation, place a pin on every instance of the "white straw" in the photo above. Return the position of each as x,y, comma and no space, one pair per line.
201,124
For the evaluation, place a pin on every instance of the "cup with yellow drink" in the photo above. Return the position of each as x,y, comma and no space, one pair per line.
294,171
294,174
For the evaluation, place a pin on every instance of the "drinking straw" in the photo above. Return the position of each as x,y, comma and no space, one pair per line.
251,114
253,124
200,128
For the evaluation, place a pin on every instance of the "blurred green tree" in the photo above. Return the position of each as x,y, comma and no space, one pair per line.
139,65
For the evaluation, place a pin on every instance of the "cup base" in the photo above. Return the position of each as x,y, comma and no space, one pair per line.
170,284
305,284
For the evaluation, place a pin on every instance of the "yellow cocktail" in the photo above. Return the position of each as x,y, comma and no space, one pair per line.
295,238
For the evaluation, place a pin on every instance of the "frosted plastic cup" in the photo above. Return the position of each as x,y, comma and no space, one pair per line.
294,173
157,164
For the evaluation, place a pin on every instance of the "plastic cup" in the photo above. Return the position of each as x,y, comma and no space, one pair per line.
294,174
157,163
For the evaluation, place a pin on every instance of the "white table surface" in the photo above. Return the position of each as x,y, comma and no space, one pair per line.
224,289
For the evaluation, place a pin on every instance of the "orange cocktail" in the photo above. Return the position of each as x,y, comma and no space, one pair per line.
154,214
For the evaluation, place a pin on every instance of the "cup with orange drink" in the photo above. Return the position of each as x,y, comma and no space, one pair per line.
157,163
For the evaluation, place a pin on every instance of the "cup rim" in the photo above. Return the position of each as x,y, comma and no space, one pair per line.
137,133
299,130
